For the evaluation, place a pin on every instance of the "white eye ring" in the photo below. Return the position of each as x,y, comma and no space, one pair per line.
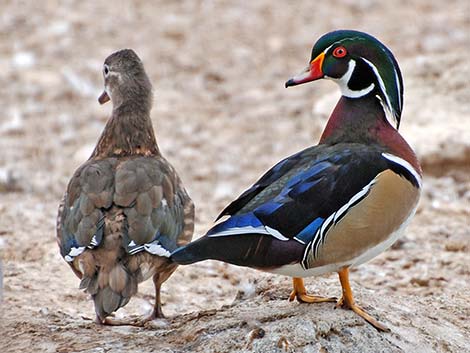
105,70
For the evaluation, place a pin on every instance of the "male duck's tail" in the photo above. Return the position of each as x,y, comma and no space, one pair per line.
251,250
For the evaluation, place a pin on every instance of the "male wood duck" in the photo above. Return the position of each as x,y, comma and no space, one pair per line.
125,209
337,204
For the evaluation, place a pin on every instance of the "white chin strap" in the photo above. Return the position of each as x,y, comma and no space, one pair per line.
343,83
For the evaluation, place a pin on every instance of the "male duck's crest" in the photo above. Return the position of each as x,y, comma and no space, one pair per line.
361,65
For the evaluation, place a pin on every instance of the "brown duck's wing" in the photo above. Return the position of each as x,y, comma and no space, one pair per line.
158,213
80,222
158,210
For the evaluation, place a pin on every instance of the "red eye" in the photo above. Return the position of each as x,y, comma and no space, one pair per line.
340,52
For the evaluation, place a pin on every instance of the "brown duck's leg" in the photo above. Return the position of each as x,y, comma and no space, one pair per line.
300,293
347,301
157,312
141,321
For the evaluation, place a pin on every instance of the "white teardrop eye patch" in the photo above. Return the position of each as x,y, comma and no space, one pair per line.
340,52
105,70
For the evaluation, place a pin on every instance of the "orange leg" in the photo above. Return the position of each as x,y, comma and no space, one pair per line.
347,301
300,293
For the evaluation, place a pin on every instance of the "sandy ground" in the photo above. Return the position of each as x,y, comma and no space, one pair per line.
222,117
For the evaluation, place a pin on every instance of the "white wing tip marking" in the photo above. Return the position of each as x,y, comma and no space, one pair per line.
275,233
247,230
74,252
156,249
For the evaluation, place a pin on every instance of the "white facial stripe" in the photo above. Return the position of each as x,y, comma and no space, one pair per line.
397,80
381,84
391,118
341,41
343,83
404,164
326,50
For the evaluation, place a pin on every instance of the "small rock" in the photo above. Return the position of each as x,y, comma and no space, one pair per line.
246,290
9,181
23,60
422,282
283,343
255,334
323,328
455,246
15,124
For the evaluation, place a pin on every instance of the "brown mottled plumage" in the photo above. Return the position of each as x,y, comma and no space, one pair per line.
125,209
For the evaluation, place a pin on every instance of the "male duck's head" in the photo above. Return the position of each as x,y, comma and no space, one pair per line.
361,65
125,79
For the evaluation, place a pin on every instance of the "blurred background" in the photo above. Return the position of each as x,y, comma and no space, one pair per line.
222,117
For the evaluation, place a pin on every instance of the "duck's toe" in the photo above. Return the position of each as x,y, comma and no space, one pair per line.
362,313
300,293
308,298
132,321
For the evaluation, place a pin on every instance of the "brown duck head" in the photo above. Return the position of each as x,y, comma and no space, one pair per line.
125,79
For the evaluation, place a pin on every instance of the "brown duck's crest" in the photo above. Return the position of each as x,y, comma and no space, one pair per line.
125,54
127,58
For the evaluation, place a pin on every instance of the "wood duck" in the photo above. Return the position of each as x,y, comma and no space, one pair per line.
337,204
125,209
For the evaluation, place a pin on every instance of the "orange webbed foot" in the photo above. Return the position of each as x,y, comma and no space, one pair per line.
300,293
347,302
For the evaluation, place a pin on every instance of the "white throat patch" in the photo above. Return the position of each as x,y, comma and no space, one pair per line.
343,83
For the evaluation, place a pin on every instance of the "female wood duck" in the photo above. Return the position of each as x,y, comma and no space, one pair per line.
125,209
337,204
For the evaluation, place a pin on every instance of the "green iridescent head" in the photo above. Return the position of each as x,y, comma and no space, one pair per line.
360,64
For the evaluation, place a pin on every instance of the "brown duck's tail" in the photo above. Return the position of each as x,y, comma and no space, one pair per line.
110,287
110,290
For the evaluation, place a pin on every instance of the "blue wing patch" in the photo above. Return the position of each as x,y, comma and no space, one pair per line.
306,235
73,249
306,175
239,221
